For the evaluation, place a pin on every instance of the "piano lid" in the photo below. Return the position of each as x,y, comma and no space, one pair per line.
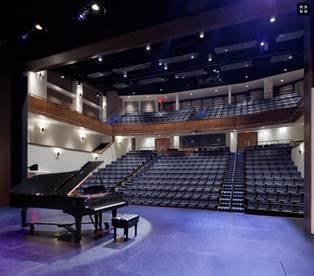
56,183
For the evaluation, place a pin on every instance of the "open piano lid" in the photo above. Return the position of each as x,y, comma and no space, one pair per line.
56,183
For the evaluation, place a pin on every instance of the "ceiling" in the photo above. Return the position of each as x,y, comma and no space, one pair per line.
62,30
225,56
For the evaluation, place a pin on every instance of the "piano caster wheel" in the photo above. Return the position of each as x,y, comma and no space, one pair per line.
32,229
107,226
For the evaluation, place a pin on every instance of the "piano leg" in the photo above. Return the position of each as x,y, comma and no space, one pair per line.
23,217
96,223
78,226
100,221
114,213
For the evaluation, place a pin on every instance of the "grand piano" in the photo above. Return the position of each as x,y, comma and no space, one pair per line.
63,191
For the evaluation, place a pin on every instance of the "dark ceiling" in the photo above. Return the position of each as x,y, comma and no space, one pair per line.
137,71
63,31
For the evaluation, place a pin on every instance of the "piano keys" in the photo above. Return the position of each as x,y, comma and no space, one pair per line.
62,191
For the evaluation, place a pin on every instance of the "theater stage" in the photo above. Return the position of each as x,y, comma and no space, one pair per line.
169,242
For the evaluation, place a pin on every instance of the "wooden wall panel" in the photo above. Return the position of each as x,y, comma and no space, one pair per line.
246,139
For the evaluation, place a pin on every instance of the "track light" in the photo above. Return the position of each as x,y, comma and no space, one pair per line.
202,34
166,67
38,27
147,47
210,57
125,74
95,7
62,77
100,59
272,19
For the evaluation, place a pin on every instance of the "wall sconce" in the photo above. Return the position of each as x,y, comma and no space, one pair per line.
95,156
57,155
82,139
42,130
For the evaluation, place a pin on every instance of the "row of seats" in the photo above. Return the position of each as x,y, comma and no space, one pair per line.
273,183
176,182
214,111
113,173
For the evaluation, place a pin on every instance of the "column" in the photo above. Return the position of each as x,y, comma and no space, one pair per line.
309,126
229,95
177,101
37,84
156,104
139,107
268,88
233,141
77,87
103,108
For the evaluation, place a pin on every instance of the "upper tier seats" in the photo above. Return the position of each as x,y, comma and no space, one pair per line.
273,184
212,112
113,173
180,181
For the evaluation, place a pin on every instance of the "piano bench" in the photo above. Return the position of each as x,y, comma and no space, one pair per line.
125,221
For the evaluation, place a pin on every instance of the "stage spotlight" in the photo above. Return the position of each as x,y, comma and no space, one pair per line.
62,77
100,59
262,43
39,27
166,67
210,57
95,7
272,19
125,74
147,47
202,34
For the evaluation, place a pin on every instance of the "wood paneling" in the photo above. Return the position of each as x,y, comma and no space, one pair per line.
162,144
246,139
62,114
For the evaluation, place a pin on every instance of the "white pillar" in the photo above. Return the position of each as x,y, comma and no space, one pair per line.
103,108
176,142
177,101
156,104
78,92
229,95
37,84
233,141
268,88
139,107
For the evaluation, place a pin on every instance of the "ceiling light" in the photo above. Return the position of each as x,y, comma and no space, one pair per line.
202,34
39,27
216,90
128,97
166,67
100,59
210,57
217,71
246,76
262,43
214,70
285,70
166,97
191,94
147,47
160,63
290,57
97,95
282,80
95,7
192,56
247,86
272,19
226,50
160,89
220,80
147,96
176,76
125,74
133,93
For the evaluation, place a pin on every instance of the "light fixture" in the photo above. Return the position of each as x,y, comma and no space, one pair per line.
246,76
166,97
220,80
39,27
216,90
192,56
128,97
97,95
57,154
125,74
100,59
282,80
95,7
160,89
290,57
82,139
262,43
62,77
191,94
272,19
147,47
133,93
165,67
214,70
147,96
42,130
226,50
285,70
176,76
160,63
210,57
247,86
202,34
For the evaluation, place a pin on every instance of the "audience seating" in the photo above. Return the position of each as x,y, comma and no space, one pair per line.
109,176
179,181
213,112
273,184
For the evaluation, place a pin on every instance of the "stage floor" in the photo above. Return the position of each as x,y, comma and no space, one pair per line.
170,241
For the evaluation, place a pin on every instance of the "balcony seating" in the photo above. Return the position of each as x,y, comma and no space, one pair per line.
212,112
273,184
109,176
179,181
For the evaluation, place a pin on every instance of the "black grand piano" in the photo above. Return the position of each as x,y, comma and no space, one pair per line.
63,191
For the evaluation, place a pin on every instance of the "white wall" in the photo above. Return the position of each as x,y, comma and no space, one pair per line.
69,160
297,155
175,142
233,141
37,84
295,133
145,143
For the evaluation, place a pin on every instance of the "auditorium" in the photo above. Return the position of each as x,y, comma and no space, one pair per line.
157,138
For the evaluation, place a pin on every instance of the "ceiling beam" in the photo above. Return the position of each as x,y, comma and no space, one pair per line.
243,12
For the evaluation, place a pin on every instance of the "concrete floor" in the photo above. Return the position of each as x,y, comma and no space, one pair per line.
170,242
